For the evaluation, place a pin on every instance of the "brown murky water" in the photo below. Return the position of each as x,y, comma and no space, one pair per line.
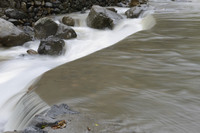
147,83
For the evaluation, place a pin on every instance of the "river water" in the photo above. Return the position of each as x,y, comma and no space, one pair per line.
146,83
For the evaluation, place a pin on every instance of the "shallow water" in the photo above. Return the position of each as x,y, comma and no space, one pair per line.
147,83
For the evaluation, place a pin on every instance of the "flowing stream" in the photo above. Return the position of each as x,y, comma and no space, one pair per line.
18,73
145,83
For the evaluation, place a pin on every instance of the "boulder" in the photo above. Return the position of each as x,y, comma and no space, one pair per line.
15,14
65,32
101,18
51,46
68,21
45,27
10,35
134,12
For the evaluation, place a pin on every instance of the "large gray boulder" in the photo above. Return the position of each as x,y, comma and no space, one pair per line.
135,12
65,32
10,35
101,18
51,46
45,27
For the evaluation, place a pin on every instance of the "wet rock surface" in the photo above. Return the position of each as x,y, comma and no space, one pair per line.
136,11
101,18
65,32
45,27
51,46
51,118
68,21
10,35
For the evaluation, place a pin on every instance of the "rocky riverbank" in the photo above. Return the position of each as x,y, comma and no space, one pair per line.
52,33
27,12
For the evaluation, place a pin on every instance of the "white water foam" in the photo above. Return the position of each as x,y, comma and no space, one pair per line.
17,74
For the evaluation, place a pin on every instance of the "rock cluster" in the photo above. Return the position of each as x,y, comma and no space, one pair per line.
51,33
27,12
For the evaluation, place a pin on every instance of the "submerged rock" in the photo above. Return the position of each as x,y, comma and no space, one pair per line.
65,32
10,35
57,110
33,130
51,46
50,118
68,21
101,18
45,27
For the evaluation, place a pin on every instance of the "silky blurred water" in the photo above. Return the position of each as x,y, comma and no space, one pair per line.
147,83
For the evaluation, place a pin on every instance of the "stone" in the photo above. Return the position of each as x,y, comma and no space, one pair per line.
57,110
15,21
65,32
33,130
40,120
45,27
133,3
32,52
14,13
23,6
134,12
68,21
48,4
38,3
101,18
51,46
10,35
